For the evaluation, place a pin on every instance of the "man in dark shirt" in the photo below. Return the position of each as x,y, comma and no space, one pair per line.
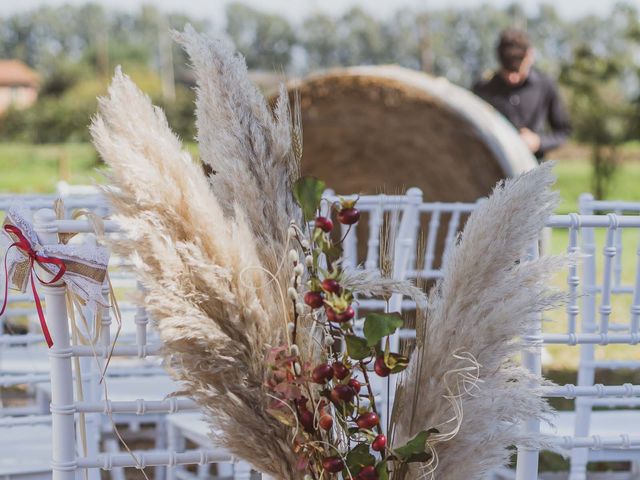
525,96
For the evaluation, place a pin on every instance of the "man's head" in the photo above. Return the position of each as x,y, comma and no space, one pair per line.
515,55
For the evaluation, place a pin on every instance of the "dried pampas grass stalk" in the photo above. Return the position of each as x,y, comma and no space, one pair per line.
485,302
201,255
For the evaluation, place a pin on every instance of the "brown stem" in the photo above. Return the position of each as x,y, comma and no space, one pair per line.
372,400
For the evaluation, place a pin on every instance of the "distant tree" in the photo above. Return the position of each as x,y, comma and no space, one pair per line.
264,39
319,38
599,111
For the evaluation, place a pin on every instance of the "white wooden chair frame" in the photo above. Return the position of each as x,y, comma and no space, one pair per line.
65,461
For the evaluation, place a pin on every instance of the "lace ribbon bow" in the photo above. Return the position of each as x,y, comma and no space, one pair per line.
81,267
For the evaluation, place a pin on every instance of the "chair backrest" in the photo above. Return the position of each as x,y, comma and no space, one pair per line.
66,460
577,228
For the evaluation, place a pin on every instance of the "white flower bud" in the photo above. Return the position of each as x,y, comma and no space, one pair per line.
294,350
308,261
304,243
328,340
300,308
292,231
298,270
293,256
296,368
293,293
290,327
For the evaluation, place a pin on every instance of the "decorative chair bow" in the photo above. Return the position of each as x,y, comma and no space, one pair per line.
81,267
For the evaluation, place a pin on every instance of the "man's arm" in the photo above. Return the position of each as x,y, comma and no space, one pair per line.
559,123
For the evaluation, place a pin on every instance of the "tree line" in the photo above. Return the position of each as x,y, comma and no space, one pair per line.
76,47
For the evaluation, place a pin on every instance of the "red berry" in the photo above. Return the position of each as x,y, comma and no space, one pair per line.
368,473
367,420
342,393
348,216
347,315
322,373
326,422
332,464
306,419
340,370
324,224
330,285
379,443
340,317
381,368
314,299
355,384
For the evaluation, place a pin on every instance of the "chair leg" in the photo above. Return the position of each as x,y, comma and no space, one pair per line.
586,376
111,446
161,444
175,443
242,471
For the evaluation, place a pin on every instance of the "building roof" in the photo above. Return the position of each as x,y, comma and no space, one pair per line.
15,73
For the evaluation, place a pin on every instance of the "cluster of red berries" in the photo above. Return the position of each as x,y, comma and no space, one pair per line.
342,313
345,393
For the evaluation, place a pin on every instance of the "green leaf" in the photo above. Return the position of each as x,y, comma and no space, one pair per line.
379,325
415,446
381,468
308,193
359,457
357,347
422,457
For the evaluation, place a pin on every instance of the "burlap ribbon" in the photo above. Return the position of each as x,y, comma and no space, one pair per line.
81,267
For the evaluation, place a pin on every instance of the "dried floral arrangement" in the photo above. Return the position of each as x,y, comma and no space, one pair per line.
245,283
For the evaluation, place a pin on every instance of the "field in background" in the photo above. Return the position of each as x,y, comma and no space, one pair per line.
37,168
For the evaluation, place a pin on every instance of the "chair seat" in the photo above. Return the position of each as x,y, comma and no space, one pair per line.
192,426
154,387
25,449
605,423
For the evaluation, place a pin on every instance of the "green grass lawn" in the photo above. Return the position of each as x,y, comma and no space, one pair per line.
37,168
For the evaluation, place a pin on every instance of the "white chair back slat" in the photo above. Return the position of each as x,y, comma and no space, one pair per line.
349,246
373,243
635,302
432,234
452,230
573,280
609,254
617,267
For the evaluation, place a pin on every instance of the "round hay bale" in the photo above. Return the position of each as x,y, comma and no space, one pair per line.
386,128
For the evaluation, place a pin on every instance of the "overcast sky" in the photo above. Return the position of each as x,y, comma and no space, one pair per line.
296,9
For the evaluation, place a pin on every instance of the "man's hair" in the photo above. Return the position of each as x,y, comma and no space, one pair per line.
512,48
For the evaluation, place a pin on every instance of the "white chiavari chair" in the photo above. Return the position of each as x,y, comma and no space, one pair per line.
67,460
615,434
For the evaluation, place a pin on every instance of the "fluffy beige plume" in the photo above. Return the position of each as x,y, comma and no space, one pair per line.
479,310
216,309
247,146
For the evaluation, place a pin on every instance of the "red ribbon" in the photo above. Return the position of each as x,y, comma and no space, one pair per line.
23,244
